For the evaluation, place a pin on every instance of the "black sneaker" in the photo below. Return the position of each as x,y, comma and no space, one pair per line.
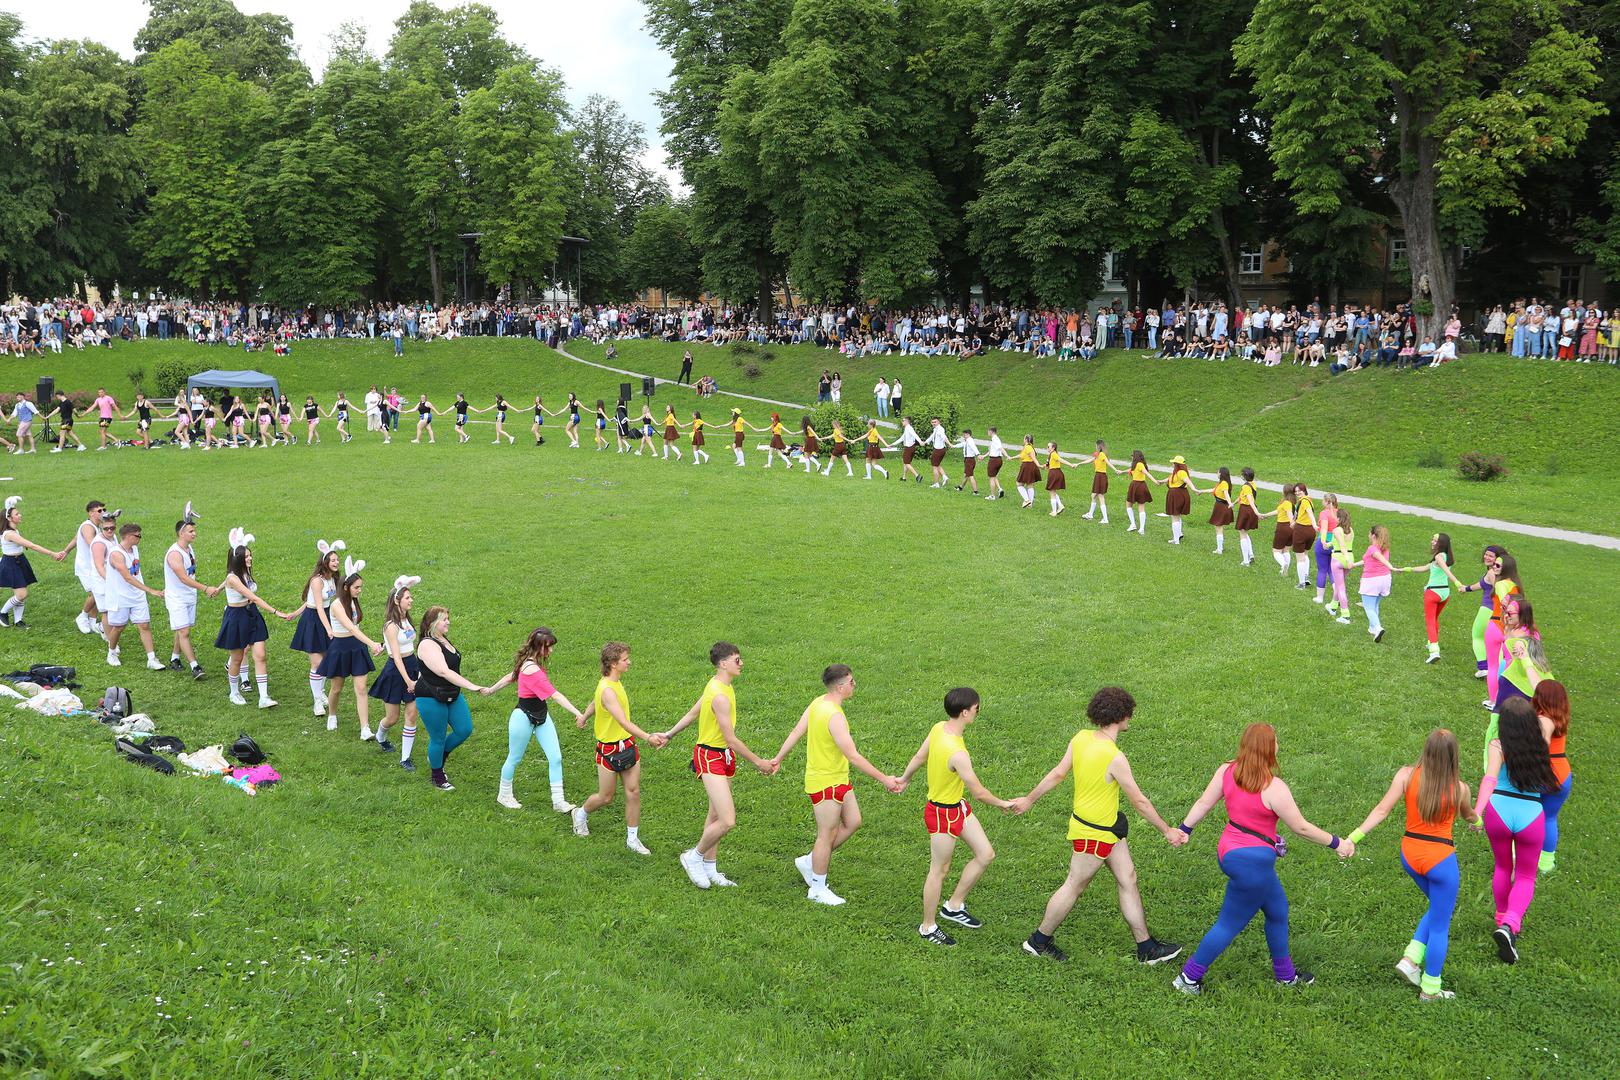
5,618
443,783
937,936
1047,948
175,664
1507,945
198,673
408,765
1154,951
18,624
1379,636
384,745
961,917
1300,979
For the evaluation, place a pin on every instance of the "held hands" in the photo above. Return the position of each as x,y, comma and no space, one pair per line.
658,739
59,555
767,768
376,650
1176,837
212,591
486,691
1346,848
1019,805
579,721
894,784
410,686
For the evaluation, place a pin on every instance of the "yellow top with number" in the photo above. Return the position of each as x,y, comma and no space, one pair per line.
1096,798
608,729
708,724
945,785
825,765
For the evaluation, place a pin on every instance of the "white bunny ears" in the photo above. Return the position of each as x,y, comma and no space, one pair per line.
326,549
11,502
240,538
190,517
352,567
406,581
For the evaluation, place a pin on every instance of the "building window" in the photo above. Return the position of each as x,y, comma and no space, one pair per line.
1114,266
1250,260
1569,281
1397,251
1464,253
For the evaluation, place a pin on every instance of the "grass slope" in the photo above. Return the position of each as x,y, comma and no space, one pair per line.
354,922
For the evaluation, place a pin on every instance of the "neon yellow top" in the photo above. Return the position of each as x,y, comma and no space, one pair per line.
825,765
1096,798
708,725
945,785
608,729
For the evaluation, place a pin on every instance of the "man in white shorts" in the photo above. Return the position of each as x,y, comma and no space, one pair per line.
180,588
84,567
126,595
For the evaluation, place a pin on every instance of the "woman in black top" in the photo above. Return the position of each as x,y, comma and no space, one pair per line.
312,417
340,410
424,418
143,409
440,703
261,417
461,408
500,408
284,417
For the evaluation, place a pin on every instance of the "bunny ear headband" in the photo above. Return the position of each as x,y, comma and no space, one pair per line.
326,549
190,517
11,502
405,581
240,538
352,567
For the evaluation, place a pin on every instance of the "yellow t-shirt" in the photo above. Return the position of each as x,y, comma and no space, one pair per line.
737,423
697,424
708,725
1246,494
1305,512
1096,798
1100,462
1139,471
1222,490
1026,453
825,765
669,418
945,785
608,729
872,436
1178,478
838,434
1285,512
777,428
1053,461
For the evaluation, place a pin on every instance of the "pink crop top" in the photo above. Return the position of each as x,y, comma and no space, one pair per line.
1375,563
534,684
1245,808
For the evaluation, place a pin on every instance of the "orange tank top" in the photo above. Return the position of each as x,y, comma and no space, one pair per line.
1560,760
1426,844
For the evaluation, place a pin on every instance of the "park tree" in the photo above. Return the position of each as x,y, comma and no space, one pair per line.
1450,102
256,48
515,155
609,185
198,129
354,100
662,254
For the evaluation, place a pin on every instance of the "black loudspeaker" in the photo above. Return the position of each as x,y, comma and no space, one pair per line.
624,391
648,383
45,391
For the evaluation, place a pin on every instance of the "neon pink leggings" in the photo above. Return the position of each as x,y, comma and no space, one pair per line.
1338,587
1518,856
1433,605
1493,658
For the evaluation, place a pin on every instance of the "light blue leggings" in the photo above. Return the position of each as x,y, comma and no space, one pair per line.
519,729
447,726
1371,603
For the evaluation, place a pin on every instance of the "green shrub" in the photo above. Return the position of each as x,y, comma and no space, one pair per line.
1432,458
740,349
137,377
767,354
751,370
169,376
923,407
851,418
1482,467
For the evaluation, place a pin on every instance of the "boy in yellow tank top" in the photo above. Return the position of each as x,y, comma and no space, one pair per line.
615,735
714,759
1097,827
829,752
947,815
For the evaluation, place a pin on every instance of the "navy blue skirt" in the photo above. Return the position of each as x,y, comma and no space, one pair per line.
241,627
390,687
310,636
345,657
15,573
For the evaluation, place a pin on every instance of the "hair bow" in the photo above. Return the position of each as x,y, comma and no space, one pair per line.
240,537
406,581
352,567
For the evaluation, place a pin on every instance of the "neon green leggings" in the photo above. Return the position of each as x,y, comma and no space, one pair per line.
1482,619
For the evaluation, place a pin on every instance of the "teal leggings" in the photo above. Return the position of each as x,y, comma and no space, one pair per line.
447,726
519,729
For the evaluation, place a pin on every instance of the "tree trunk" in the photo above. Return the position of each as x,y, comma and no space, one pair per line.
1223,235
766,299
1434,272
433,275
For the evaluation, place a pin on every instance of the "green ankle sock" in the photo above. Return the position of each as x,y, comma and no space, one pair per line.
1548,863
1416,951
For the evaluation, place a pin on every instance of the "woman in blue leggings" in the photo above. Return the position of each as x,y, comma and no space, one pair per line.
1256,799
439,698
532,720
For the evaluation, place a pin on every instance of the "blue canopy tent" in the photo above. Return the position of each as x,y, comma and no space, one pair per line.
235,380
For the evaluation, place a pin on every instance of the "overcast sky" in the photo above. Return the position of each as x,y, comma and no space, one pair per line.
599,46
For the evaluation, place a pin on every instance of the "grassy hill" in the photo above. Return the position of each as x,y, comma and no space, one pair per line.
355,922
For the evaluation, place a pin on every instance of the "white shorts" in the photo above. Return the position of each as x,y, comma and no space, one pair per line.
92,585
182,614
139,613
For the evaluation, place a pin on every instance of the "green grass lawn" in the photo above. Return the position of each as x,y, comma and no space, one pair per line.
356,922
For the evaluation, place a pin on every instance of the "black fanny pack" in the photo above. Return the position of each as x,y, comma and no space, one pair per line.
1119,828
1274,841
443,693
535,709
622,758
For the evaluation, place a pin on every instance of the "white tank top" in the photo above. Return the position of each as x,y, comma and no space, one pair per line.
328,593
9,546
236,599
106,548
338,629
82,562
120,593
406,636
173,587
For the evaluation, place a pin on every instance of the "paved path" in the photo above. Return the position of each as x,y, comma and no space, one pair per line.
1571,536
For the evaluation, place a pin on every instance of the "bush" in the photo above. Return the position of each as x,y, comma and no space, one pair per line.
1482,467
170,375
137,377
848,416
923,407
740,349
767,354
1432,458
750,369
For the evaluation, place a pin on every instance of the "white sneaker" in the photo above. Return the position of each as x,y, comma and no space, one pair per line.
507,800
634,844
581,825
720,880
265,702
692,863
320,707
237,699
82,621
112,659
156,665
826,896
331,723
562,806
802,863
1409,971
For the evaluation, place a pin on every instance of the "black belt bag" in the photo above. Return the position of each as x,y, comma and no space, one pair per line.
1275,841
621,759
1119,828
535,709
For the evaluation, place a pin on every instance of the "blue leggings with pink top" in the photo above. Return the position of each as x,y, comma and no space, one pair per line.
1252,886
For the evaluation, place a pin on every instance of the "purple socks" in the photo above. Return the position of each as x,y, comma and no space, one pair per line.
1283,968
1194,971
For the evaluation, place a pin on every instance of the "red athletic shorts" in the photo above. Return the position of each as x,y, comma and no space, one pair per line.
706,759
946,819
836,794
605,748
1093,847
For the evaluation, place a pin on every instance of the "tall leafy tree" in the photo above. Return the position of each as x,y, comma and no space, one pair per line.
610,186
257,48
197,129
661,253
1451,101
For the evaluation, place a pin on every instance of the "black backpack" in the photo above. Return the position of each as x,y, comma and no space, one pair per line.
245,750
116,702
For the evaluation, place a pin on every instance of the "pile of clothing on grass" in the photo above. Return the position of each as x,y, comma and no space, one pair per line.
48,689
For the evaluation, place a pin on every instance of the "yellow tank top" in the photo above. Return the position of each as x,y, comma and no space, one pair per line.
944,785
708,726
1139,471
1096,798
1285,512
1100,462
1053,461
825,765
607,728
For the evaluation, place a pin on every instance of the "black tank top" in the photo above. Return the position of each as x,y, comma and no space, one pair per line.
311,412
424,409
145,412
461,411
440,688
